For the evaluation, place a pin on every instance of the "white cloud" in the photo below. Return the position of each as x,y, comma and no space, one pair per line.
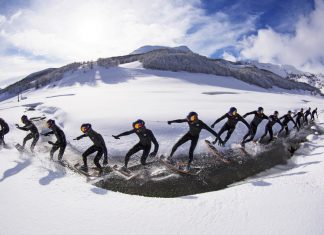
229,57
303,50
14,68
217,32
77,30
2,19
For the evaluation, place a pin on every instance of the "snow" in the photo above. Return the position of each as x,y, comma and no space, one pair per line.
38,197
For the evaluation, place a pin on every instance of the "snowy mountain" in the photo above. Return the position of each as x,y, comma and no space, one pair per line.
145,49
281,70
170,59
290,72
315,80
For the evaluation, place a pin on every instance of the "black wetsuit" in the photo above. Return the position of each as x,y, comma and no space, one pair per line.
307,113
258,118
286,119
4,130
192,135
230,125
299,116
60,141
313,114
98,146
29,126
268,128
146,137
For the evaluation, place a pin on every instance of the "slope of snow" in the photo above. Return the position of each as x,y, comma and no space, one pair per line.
39,198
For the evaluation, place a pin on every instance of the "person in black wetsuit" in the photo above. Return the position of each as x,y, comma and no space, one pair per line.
232,119
3,131
195,127
259,116
299,115
60,139
286,119
146,137
313,114
273,119
98,146
29,126
307,113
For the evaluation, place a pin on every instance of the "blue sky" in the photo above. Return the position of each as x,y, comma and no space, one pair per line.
35,34
279,15
8,7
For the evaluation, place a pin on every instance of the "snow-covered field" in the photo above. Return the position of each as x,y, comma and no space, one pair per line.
38,198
